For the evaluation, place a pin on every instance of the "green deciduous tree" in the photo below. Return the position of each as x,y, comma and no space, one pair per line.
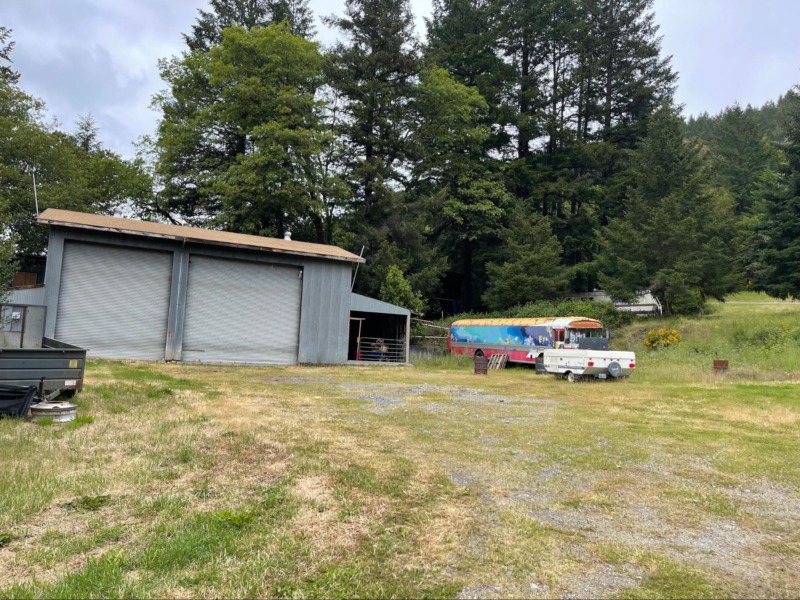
397,290
72,171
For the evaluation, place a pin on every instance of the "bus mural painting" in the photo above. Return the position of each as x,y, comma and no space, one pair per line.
572,347
524,339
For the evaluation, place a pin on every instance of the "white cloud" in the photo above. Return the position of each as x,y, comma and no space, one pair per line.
100,56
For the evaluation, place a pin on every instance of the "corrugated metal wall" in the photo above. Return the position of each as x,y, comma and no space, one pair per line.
33,296
325,314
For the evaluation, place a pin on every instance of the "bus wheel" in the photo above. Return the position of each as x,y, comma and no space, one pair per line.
570,376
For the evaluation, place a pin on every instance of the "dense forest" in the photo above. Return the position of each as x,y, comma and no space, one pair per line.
524,151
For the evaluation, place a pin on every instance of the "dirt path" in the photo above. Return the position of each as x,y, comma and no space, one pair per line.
626,511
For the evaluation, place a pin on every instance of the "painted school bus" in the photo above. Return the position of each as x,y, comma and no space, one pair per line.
523,340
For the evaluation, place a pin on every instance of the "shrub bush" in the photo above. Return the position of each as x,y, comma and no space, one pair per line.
661,338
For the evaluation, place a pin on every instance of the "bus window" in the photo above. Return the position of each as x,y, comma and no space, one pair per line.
558,338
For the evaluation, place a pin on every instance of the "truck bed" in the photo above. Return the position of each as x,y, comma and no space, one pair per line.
55,366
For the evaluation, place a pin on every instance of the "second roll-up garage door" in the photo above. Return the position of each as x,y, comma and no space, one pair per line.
241,312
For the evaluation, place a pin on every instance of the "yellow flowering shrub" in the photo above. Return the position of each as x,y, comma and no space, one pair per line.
661,338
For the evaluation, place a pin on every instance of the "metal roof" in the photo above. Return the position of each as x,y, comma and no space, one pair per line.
68,218
361,303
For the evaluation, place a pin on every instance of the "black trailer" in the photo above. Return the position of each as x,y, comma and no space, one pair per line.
57,368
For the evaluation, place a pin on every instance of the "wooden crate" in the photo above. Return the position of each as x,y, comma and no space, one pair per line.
498,361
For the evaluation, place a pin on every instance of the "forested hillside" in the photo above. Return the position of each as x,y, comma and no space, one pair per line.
522,151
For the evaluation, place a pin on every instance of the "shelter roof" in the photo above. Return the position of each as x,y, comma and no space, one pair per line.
361,303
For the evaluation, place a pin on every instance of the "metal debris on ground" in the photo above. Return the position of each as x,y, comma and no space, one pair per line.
60,412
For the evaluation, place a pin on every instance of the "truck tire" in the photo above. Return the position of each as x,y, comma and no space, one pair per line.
614,369
571,377
478,352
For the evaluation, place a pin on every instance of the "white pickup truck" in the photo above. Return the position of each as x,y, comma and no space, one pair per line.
573,365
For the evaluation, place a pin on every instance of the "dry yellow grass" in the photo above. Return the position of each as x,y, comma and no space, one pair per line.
426,481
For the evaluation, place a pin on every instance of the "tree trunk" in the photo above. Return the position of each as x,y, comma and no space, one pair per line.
466,283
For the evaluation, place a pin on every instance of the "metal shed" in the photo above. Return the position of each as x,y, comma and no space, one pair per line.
379,331
134,289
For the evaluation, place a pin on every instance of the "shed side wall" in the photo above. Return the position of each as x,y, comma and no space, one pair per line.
325,313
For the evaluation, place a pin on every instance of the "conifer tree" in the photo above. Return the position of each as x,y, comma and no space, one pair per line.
777,245
373,74
531,269
7,74
741,155
678,236
207,31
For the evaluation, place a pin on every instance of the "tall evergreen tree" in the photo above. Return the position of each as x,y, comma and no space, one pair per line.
741,155
629,77
373,72
296,13
207,31
531,267
678,236
7,74
463,39
777,245
463,194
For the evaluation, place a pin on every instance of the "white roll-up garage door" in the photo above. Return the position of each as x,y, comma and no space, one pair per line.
240,311
114,300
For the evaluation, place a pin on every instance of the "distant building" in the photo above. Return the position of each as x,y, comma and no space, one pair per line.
645,303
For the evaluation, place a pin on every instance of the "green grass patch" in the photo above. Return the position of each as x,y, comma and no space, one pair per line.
667,578
79,421
88,503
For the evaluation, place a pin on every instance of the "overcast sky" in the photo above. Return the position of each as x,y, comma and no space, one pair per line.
99,57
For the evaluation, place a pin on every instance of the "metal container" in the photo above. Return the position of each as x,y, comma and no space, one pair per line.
60,412
481,364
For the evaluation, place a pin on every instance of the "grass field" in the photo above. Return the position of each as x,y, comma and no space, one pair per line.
428,481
